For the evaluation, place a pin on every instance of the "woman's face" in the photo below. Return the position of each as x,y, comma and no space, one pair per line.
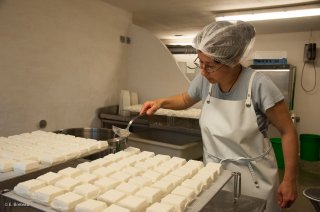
210,69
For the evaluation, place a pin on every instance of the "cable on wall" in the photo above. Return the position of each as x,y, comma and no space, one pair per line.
309,57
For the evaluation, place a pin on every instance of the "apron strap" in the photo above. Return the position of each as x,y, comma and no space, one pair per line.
210,94
247,160
248,100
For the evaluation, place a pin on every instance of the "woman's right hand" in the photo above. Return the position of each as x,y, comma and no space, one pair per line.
150,107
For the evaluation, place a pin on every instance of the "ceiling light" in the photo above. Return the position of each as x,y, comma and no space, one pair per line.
271,15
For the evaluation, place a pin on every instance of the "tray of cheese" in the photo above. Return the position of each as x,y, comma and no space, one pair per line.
129,180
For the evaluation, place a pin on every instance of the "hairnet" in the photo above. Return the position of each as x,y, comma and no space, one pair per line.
224,41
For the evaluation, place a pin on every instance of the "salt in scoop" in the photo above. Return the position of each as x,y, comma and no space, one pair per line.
123,133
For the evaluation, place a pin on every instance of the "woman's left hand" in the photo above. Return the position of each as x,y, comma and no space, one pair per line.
287,193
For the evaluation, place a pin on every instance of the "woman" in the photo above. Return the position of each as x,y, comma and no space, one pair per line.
238,104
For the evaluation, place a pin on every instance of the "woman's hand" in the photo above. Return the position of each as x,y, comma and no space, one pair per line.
177,102
287,193
150,107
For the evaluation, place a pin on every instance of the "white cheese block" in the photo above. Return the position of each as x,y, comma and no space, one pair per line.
106,183
128,188
150,194
144,166
178,161
67,183
140,181
112,196
101,162
86,177
163,169
133,159
66,202
46,194
204,177
103,172
195,163
154,161
88,191
111,157
50,177
130,161
132,171
122,154
212,172
102,144
216,167
122,176
90,205
134,203
146,154
162,157
194,184
132,150
116,208
192,170
160,207
182,173
179,202
81,150
175,180
69,153
6,165
87,166
152,175
26,188
165,186
185,192
70,172
116,166
26,166
51,159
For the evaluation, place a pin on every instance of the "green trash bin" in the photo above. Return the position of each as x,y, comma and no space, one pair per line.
310,147
277,147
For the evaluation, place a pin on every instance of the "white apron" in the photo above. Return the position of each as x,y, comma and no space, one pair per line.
231,137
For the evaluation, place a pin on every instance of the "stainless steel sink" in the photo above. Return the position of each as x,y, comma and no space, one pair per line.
168,142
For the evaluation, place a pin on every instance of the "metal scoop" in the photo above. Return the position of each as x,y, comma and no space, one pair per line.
123,133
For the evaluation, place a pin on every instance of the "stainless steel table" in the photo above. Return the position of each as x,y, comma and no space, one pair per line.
224,202
211,199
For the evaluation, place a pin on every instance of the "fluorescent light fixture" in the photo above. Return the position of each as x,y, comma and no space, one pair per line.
271,15
182,43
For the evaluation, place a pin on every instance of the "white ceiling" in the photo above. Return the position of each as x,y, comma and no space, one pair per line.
166,18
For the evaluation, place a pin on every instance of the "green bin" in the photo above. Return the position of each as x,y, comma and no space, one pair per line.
277,147
310,147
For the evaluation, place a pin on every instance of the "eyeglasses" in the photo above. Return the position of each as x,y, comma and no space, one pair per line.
206,67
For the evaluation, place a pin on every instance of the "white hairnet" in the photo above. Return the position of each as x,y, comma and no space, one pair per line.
224,41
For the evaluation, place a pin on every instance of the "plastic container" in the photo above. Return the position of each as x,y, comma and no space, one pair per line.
168,142
310,147
277,147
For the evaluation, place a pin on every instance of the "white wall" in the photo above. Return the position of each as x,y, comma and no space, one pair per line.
152,70
59,61
306,105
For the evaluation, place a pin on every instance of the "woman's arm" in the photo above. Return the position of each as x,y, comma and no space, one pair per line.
178,102
280,118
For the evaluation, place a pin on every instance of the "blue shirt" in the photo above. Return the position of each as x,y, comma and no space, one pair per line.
265,94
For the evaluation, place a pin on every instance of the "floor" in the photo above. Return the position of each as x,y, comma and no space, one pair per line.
308,176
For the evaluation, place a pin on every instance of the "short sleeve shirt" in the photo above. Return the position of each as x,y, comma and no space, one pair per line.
265,94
